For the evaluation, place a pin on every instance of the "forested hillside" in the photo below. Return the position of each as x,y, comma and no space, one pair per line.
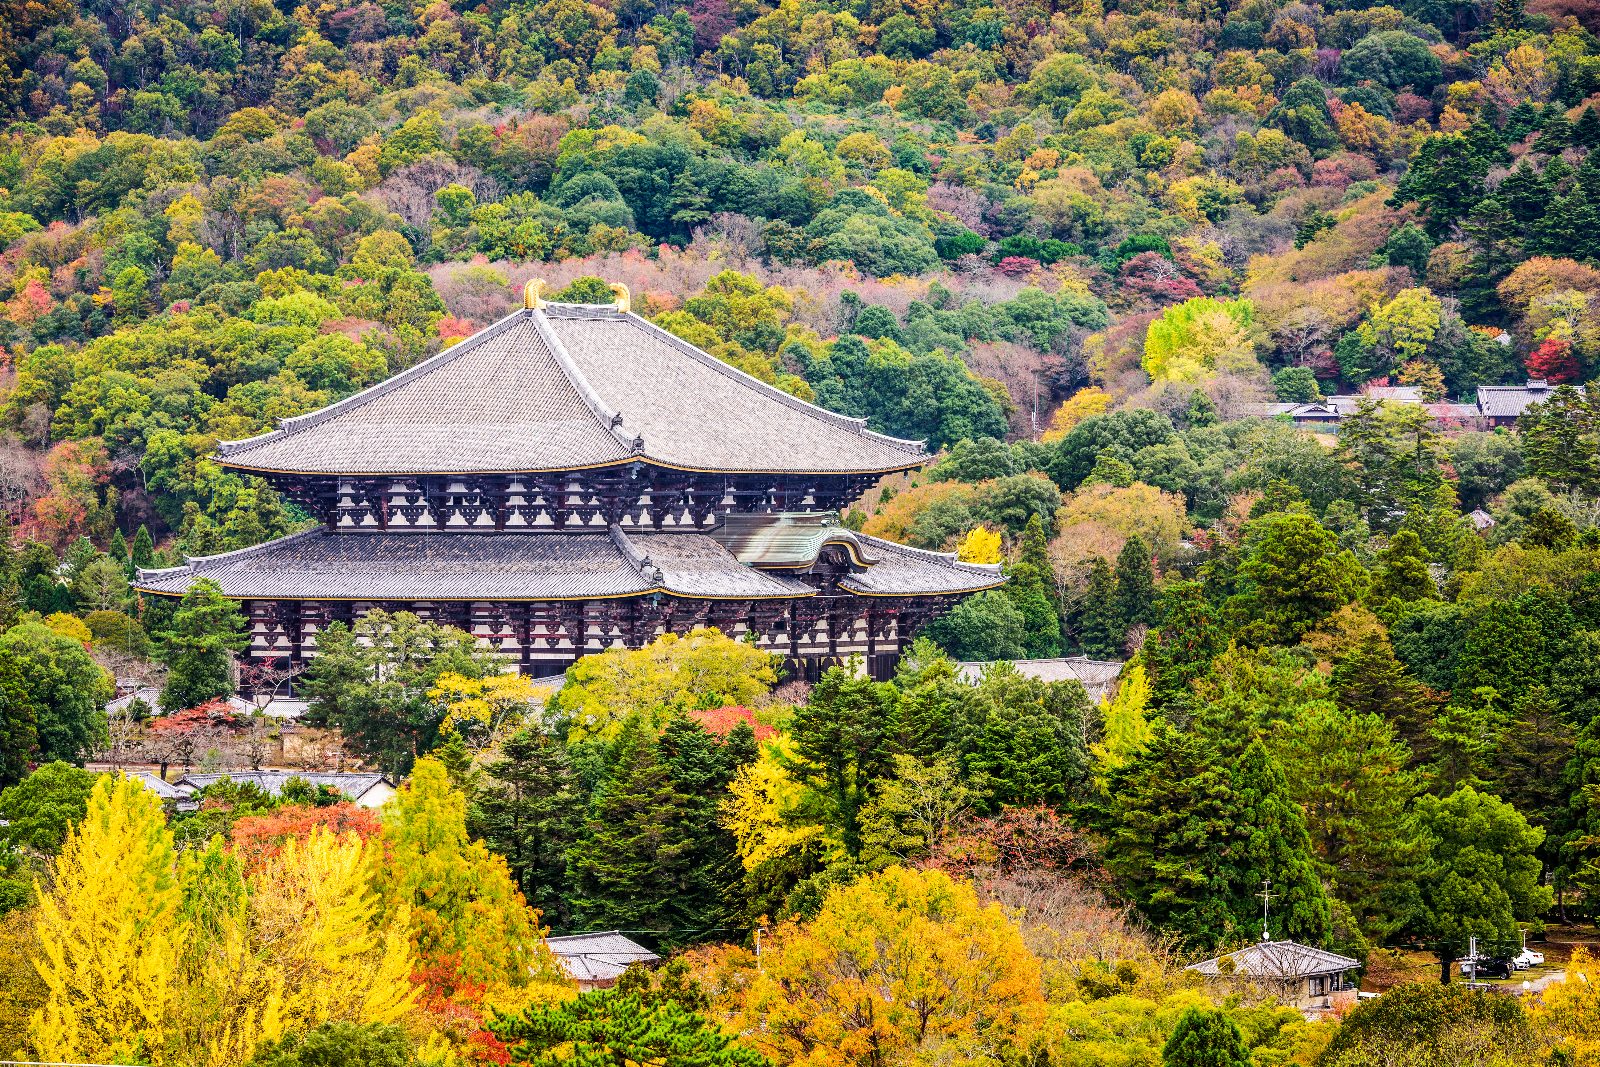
1081,250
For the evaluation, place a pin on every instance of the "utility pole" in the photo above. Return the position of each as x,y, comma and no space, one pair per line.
1266,907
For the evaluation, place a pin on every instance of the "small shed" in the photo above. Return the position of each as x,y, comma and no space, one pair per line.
596,961
1312,979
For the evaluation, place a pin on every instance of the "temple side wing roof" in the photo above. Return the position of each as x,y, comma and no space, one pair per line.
317,565
567,387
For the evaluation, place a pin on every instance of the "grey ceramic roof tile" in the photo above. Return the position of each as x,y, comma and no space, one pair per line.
901,570
564,388
1276,959
317,565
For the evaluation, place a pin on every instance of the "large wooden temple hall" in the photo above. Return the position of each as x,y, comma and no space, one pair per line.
574,478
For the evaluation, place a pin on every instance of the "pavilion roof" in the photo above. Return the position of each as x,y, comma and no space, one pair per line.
548,565
564,387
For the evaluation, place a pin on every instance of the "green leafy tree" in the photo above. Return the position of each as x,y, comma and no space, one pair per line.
613,1027
1426,1023
1293,575
373,683
1481,875
204,632
343,1044
52,700
39,809
1032,589
984,627
1205,1039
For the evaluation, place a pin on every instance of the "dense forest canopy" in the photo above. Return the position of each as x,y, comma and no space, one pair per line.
1093,252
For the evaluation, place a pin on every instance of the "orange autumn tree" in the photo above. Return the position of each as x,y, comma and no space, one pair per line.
902,967
256,839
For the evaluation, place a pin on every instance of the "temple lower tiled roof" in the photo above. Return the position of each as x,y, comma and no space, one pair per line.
564,387
604,564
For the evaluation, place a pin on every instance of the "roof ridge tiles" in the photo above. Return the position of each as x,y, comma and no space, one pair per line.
859,426
609,420
951,558
297,423
189,562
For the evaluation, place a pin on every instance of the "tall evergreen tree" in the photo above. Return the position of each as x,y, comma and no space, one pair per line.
144,548
118,549
1181,649
529,811
1101,631
1192,837
843,738
206,627
701,767
1370,680
633,862
1032,589
1136,587
1205,1039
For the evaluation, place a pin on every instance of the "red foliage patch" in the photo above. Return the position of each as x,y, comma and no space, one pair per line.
721,721
1553,361
258,838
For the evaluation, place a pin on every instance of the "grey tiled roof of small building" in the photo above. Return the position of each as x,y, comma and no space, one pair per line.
1503,401
1276,960
352,784
598,957
317,565
567,387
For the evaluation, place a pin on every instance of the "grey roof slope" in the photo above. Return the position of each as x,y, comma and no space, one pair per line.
352,784
318,565
1276,960
598,957
566,387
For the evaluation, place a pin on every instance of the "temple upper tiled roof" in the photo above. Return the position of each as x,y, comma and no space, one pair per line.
564,387
318,565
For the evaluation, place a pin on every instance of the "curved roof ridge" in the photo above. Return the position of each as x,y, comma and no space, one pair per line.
609,420
189,562
855,425
640,562
296,423
949,558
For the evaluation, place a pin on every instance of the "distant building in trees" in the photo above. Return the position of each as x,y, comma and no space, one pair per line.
1097,676
596,961
1313,980
574,478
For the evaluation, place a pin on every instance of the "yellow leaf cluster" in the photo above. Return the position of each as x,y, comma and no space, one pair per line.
901,967
700,669
761,806
981,545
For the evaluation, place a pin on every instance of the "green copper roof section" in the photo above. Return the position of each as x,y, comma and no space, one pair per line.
786,539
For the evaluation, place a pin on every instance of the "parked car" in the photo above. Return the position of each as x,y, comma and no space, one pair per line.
1487,966
1528,958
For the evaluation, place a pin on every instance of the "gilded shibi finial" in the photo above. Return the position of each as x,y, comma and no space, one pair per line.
624,299
533,294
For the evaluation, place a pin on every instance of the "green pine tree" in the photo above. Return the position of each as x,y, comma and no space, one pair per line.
205,629
844,741
1402,572
1101,629
1205,1039
633,860
527,809
144,548
1191,835
1136,587
1368,679
1181,649
1032,589
701,768
119,547
611,1026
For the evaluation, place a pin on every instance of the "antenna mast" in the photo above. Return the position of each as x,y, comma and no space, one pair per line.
1266,906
